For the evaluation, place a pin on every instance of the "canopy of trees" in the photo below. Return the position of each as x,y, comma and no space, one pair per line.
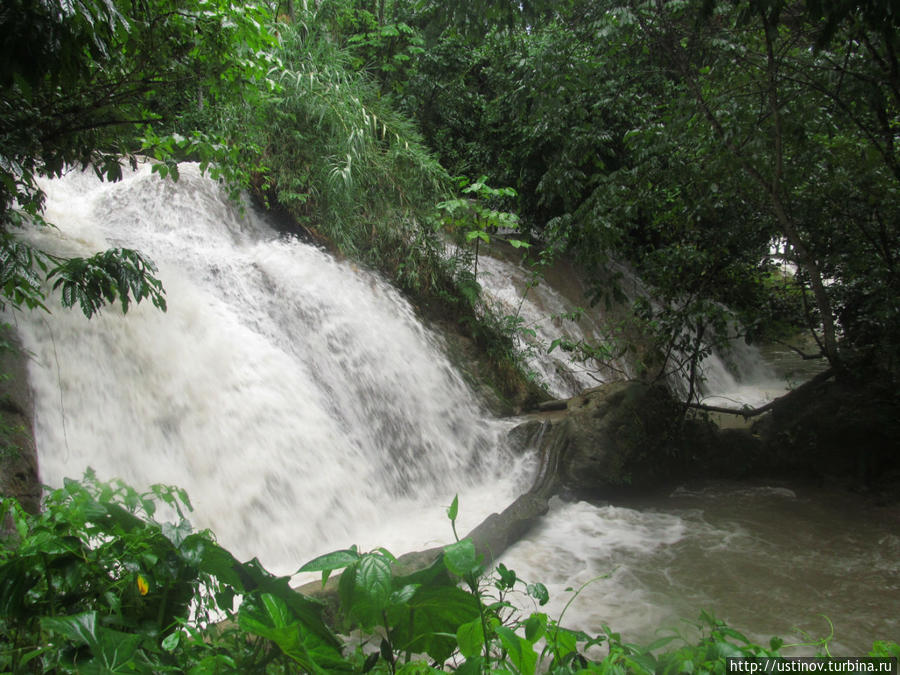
741,157
705,144
93,82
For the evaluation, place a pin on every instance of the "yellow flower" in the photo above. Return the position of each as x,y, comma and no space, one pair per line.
143,586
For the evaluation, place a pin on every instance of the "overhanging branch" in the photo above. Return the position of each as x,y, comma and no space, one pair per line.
747,413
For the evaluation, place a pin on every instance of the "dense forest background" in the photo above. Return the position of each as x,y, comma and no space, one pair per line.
705,145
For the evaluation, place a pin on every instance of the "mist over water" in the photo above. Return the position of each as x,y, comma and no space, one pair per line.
304,408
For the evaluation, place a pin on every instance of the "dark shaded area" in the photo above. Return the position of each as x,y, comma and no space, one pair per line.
18,456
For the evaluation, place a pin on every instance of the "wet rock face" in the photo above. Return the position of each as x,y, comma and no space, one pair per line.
619,435
18,456
630,436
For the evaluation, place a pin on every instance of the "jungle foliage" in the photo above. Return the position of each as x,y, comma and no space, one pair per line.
93,83
688,139
714,147
110,580
733,155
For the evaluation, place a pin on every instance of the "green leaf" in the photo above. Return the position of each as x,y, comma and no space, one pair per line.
81,629
507,578
460,558
430,621
535,626
539,592
112,650
117,650
470,638
269,617
367,589
373,577
453,510
520,651
403,596
331,561
217,562
252,576
564,641
171,641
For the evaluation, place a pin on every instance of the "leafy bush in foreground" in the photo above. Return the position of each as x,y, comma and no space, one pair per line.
97,583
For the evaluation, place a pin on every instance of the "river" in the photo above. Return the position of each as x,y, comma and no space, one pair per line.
304,408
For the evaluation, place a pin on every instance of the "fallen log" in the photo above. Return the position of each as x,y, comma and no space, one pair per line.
491,537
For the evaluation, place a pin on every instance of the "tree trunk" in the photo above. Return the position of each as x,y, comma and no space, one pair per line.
804,258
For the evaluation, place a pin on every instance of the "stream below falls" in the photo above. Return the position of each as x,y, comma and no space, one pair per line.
304,408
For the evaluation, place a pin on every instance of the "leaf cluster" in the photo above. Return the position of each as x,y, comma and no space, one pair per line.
690,140
102,581
93,82
96,583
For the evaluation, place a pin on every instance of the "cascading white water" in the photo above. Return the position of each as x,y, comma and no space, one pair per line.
545,310
303,408
296,398
740,377
764,558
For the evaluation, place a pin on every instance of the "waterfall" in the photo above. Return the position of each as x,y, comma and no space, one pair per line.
558,307
304,408
296,398
553,308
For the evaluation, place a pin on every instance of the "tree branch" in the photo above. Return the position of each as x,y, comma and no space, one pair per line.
747,413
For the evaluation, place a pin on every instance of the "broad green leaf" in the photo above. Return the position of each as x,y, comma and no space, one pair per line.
562,641
171,641
79,628
472,666
329,562
470,638
268,617
253,576
460,558
535,626
116,650
218,562
430,621
645,662
539,592
193,549
276,610
520,651
403,595
366,593
507,578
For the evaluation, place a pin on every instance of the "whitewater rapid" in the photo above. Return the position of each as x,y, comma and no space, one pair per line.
304,408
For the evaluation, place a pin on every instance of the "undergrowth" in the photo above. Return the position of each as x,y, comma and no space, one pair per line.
99,582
